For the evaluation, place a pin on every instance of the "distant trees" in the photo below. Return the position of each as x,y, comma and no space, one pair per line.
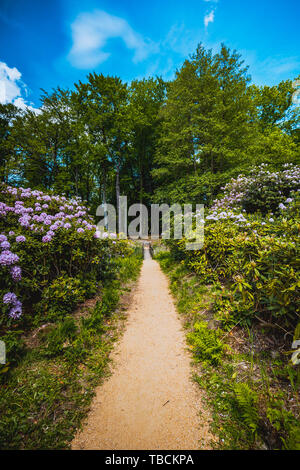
153,141
94,142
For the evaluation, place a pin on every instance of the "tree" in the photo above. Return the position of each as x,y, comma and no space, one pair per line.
177,141
38,140
107,99
206,125
146,98
275,107
8,114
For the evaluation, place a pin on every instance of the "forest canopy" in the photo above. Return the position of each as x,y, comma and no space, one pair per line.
151,140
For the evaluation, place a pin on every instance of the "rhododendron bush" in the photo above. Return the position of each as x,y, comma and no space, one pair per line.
50,256
264,190
253,257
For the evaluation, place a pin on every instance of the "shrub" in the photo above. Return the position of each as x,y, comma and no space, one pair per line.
50,257
263,190
256,260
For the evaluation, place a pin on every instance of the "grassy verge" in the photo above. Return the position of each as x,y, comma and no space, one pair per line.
251,387
47,393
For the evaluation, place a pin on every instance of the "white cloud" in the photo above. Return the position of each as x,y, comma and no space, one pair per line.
8,86
12,88
209,18
271,70
179,43
181,40
90,32
281,66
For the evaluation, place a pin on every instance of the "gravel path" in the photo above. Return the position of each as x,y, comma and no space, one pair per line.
149,402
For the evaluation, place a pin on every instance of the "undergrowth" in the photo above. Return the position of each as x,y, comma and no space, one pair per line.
47,391
252,390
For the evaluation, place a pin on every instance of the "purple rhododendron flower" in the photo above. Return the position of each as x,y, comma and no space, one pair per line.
20,239
10,298
30,209
16,273
5,245
16,311
24,220
8,258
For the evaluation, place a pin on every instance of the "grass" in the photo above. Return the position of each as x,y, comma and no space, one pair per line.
252,393
46,395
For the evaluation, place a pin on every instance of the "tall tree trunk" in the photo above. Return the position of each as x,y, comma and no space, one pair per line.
76,181
118,190
104,196
141,181
104,187
88,185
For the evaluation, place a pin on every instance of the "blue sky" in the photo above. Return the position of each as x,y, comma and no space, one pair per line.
44,44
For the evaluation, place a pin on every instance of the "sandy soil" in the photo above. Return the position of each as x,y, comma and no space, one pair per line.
149,402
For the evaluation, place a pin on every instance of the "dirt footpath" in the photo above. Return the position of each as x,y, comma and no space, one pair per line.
149,402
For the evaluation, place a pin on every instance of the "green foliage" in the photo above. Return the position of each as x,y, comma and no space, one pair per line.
110,299
14,348
256,261
60,297
8,115
164,259
274,106
177,141
59,274
48,392
263,189
93,142
246,413
247,402
207,345
62,333
129,262
284,422
264,200
214,127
